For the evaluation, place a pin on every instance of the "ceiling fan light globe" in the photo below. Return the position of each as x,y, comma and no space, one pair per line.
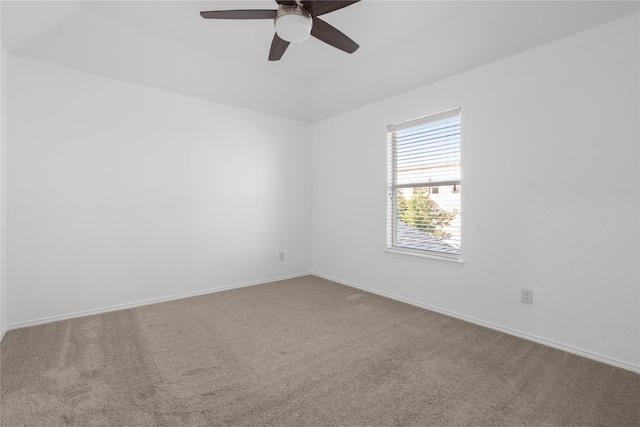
293,27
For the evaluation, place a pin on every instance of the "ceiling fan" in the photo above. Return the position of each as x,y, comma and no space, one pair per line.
294,22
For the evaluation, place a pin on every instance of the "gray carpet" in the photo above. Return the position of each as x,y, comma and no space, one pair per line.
299,352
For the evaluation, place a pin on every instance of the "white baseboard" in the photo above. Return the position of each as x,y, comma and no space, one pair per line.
84,313
524,335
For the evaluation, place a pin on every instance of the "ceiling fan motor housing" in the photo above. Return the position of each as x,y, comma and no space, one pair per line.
293,23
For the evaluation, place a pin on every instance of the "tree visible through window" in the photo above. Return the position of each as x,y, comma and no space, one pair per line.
424,184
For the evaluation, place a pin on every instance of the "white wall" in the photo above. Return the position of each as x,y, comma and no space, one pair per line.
4,58
119,193
550,196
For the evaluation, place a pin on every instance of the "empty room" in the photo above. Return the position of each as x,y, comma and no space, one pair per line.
320,213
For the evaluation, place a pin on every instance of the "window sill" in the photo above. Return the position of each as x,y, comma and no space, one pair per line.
451,261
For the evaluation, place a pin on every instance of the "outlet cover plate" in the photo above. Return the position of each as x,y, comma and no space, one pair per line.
526,296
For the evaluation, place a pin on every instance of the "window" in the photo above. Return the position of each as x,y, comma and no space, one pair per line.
424,185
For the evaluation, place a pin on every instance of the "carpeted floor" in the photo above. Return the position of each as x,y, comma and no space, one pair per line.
299,352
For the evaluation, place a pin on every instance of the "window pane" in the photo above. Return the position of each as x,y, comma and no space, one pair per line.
428,218
428,153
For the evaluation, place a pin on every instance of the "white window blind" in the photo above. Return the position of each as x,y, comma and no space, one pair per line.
424,185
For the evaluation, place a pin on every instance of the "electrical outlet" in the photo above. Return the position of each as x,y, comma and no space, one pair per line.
526,296
281,256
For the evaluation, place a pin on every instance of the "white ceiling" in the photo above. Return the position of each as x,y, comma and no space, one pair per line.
403,44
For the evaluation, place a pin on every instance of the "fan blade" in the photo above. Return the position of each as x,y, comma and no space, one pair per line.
320,7
287,2
278,46
331,35
240,14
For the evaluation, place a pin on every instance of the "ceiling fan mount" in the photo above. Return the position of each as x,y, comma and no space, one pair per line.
295,21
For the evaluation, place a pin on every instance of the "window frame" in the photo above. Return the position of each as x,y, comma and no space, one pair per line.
392,249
